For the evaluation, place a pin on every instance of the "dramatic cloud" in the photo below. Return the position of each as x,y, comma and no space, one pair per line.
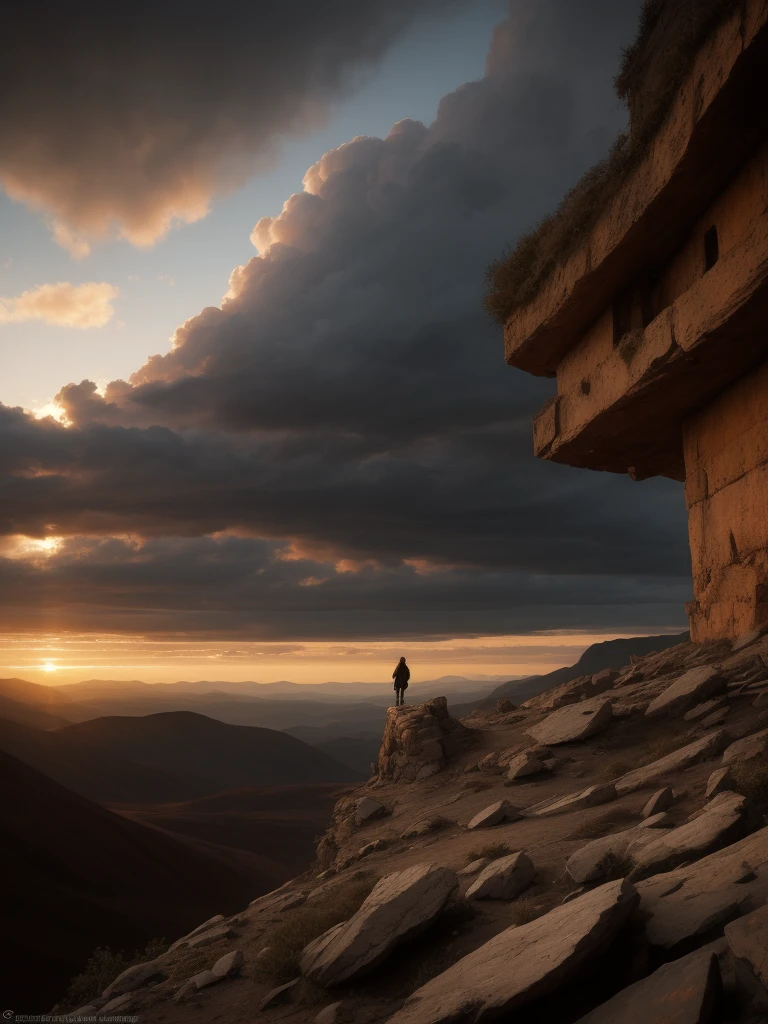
339,447
122,118
62,304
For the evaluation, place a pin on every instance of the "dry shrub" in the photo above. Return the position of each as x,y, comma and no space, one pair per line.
102,969
603,825
492,852
661,747
281,961
614,866
439,823
751,778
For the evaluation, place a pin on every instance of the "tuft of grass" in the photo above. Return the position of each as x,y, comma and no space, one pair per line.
439,823
286,942
751,778
493,851
614,866
661,747
603,825
103,966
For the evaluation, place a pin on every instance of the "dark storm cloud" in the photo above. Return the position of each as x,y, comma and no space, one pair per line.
349,400
123,116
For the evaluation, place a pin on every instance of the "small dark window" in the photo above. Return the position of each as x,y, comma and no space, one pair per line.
711,248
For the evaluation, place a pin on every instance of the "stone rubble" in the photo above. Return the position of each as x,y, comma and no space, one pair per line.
503,879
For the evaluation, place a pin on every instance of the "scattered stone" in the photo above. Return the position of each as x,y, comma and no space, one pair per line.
204,979
720,781
661,820
494,814
196,931
421,828
693,753
722,821
504,706
376,845
702,710
690,689
336,1013
604,680
133,978
591,797
599,857
474,866
661,800
503,879
278,996
573,722
686,991
748,940
368,809
229,964
400,906
489,763
207,938
747,748
714,719
525,764
523,963
419,740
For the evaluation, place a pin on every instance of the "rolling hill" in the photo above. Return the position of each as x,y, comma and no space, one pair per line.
84,876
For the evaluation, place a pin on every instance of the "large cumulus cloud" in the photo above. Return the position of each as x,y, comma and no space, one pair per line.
121,117
348,405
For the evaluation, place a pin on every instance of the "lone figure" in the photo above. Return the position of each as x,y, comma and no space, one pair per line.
401,675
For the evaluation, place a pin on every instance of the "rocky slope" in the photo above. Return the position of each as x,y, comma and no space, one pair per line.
599,854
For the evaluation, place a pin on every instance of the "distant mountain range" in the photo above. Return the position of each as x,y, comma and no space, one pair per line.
79,876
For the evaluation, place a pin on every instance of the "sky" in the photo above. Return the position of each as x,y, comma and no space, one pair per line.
249,392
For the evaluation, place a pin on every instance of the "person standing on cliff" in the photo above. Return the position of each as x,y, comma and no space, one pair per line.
401,675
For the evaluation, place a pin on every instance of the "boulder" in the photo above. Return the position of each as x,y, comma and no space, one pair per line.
133,978
504,706
421,828
522,964
599,857
716,718
661,800
204,979
207,938
573,722
278,996
748,940
229,964
693,687
720,781
686,991
474,866
702,710
525,764
575,690
336,1013
722,821
419,740
503,879
593,796
745,749
693,753
217,919
494,814
368,809
374,847
400,906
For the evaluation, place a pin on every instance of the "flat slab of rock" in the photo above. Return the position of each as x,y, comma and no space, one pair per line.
720,781
599,857
692,753
702,710
746,639
748,940
697,900
593,796
693,687
475,866
494,814
278,996
211,935
573,722
503,879
217,919
687,991
400,906
367,809
722,821
525,764
229,964
521,964
745,749
661,800
134,978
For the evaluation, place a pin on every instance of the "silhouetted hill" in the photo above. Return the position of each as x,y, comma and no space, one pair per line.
47,698
79,876
608,654
207,755
29,714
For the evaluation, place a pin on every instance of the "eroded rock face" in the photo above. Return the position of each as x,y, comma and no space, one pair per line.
573,722
400,906
523,963
748,940
419,740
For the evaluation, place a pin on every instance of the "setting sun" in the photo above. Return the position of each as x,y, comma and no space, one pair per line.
48,666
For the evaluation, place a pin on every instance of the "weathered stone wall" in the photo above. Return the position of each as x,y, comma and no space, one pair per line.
726,456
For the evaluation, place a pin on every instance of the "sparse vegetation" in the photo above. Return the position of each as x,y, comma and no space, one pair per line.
603,825
492,852
751,778
103,967
614,866
281,962
439,823
515,278
661,747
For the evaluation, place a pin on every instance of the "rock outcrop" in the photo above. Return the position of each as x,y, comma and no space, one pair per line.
419,740
503,879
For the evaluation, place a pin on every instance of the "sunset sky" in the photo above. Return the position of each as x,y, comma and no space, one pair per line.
255,421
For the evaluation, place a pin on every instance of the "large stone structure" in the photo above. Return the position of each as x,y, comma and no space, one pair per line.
646,296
